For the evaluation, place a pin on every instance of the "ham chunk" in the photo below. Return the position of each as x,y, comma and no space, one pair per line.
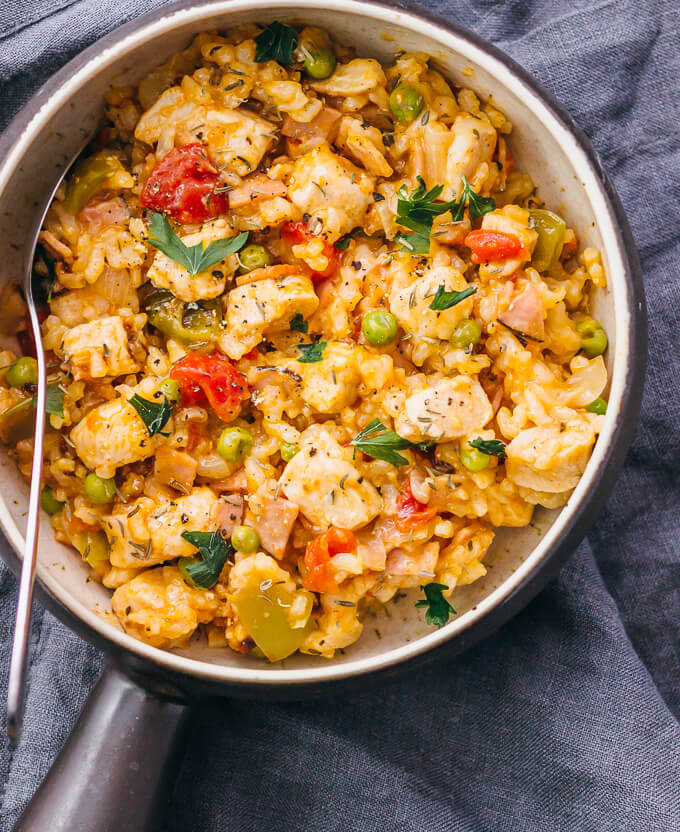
99,214
329,489
175,468
148,532
253,188
101,348
525,313
452,408
273,519
160,608
230,513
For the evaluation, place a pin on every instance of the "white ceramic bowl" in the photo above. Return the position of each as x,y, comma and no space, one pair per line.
545,142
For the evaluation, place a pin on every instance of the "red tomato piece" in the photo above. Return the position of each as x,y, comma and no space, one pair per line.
490,246
318,555
411,512
212,378
295,233
183,186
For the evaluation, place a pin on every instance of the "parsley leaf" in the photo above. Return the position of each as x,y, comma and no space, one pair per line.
416,211
194,259
276,43
477,205
311,353
377,442
490,447
54,399
298,323
445,300
343,243
155,415
438,608
203,571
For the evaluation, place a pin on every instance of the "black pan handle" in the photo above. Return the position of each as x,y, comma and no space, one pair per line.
116,771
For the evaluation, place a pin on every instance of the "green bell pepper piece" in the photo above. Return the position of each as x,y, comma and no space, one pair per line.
88,177
189,323
550,229
93,546
17,422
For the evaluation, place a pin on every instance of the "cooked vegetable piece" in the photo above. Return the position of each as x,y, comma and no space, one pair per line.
276,43
406,103
23,371
16,423
489,246
298,233
99,490
93,546
411,512
49,502
265,612
318,554
438,608
473,459
445,300
155,415
234,444
253,257
89,176
551,229
311,353
212,378
466,334
598,406
185,184
379,327
170,389
244,539
189,323
314,47
288,450
490,447
204,570
593,337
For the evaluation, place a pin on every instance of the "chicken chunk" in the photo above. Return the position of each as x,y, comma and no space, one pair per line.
334,192
149,533
111,435
330,385
365,144
551,457
100,348
474,141
353,78
452,408
160,608
329,489
167,274
411,296
264,307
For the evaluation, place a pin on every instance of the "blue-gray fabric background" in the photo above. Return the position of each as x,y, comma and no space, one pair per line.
567,719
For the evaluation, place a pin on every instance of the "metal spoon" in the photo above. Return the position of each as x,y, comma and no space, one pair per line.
16,688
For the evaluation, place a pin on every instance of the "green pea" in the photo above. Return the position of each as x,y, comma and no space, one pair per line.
473,459
379,327
98,490
288,450
406,103
245,540
234,444
253,257
467,333
593,337
319,62
170,389
599,406
23,371
48,502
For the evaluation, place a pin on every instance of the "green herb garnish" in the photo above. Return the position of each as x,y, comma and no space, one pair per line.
54,399
276,43
438,608
194,259
311,353
445,300
378,442
155,415
298,323
203,571
490,447
477,205
417,211
343,243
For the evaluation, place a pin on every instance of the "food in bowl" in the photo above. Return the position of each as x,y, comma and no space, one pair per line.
311,339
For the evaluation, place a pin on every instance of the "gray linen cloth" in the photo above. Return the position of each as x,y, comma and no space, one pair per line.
567,718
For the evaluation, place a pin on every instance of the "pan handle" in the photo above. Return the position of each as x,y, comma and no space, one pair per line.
117,768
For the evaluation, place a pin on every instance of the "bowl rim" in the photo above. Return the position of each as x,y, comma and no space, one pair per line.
585,503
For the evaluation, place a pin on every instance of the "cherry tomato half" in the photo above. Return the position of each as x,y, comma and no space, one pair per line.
411,512
318,555
183,185
490,246
212,378
296,233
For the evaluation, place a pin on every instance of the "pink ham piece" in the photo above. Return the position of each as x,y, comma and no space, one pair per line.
274,523
230,513
371,550
97,215
312,134
255,187
525,314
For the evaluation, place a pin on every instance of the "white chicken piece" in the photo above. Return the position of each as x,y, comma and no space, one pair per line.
365,144
332,384
148,533
474,141
114,434
322,480
334,192
452,408
236,139
411,295
167,274
100,348
551,457
264,307
353,78
160,608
